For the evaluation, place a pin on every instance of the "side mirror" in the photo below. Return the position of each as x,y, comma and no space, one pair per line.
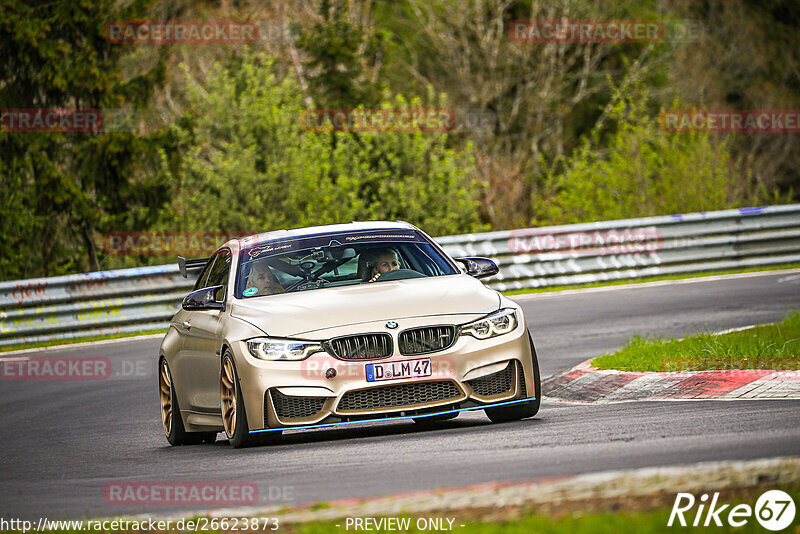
203,299
479,267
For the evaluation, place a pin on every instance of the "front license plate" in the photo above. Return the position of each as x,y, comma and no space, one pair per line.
401,369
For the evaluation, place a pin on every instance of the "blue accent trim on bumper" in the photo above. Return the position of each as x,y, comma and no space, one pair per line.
397,418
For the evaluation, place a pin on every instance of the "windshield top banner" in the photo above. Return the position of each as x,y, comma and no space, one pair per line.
270,248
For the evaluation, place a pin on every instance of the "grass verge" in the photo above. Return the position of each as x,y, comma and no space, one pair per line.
775,346
649,279
54,342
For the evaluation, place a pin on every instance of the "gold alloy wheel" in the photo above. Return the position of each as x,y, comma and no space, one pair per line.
228,395
165,390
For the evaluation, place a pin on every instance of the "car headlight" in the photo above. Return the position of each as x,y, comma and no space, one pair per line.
275,348
495,324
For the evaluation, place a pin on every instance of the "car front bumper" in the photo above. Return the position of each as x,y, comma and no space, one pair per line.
471,374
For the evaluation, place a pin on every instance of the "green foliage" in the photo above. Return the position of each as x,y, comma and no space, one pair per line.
250,165
576,136
642,171
334,46
61,189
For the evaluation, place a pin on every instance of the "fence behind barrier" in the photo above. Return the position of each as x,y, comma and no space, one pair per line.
144,299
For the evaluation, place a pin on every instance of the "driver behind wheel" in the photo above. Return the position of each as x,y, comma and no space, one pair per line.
263,279
381,261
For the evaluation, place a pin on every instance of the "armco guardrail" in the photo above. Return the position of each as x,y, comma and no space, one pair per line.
90,304
142,299
635,248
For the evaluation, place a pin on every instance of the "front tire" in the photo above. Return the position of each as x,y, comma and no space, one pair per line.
234,416
171,413
522,410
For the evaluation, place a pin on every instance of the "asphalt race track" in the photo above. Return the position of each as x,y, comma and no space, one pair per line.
65,440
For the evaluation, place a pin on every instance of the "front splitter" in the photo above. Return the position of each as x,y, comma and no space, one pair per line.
395,418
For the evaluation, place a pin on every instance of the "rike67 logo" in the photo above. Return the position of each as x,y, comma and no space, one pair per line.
774,510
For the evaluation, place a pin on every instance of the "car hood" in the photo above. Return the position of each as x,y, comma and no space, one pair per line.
305,312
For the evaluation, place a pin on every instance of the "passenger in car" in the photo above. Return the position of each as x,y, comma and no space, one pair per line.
263,279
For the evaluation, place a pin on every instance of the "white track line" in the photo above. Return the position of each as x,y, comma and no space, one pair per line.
659,283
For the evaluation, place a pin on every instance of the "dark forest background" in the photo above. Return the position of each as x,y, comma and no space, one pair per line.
547,133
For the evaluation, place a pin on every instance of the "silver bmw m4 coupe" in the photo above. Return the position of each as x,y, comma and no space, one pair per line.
330,325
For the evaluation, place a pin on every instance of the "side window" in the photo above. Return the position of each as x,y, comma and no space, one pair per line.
419,260
219,273
348,269
284,279
201,280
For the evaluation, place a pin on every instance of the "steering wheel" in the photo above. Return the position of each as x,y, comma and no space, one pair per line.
399,274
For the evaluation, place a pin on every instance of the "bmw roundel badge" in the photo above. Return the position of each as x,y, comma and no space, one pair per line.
391,325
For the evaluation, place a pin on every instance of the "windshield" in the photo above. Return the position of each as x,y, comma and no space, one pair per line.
332,260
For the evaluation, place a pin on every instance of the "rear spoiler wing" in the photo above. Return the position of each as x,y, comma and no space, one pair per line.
185,265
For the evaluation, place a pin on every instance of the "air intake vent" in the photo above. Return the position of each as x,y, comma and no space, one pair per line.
495,383
399,395
292,407
426,340
360,347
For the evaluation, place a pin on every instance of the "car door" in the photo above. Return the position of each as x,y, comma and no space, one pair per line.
202,342
180,364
